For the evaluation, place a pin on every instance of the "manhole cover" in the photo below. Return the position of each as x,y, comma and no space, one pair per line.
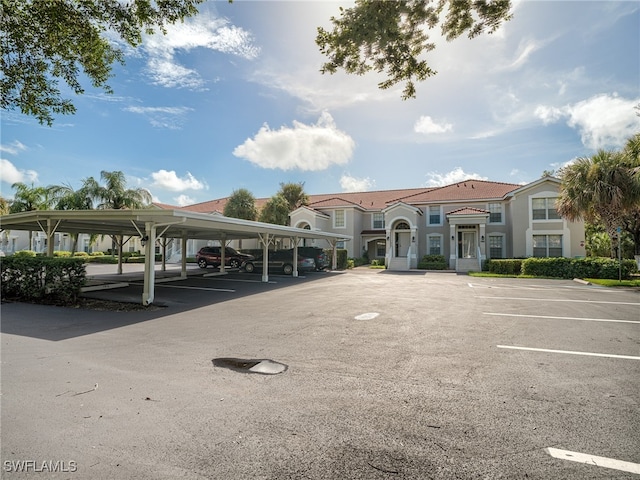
263,366
367,316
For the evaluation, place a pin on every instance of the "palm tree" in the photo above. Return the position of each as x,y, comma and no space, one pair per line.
66,198
294,194
631,220
27,199
602,188
115,194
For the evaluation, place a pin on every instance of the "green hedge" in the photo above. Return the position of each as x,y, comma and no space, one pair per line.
508,266
591,267
433,262
42,279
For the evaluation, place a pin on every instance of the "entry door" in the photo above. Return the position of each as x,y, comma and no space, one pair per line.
467,245
402,243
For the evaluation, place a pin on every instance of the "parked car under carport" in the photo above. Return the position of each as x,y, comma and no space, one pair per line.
280,260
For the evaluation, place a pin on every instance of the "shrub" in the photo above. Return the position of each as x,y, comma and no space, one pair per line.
433,262
106,259
61,253
84,255
25,254
508,266
341,258
96,254
42,279
591,267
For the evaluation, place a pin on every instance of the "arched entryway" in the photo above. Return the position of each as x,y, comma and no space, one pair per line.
401,239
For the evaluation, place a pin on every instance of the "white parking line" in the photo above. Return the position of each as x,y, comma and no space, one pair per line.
192,288
594,460
570,352
546,317
543,300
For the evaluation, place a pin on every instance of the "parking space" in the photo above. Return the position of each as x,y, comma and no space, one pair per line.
389,375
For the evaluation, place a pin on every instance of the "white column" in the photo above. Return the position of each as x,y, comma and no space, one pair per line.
149,264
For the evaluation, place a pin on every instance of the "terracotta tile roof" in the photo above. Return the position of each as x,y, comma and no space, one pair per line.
377,200
468,211
466,190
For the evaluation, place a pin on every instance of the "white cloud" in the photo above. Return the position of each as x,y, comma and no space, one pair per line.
604,121
353,184
436,179
201,31
169,180
183,200
10,174
162,117
427,125
303,147
13,148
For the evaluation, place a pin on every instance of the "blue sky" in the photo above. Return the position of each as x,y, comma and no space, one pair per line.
234,99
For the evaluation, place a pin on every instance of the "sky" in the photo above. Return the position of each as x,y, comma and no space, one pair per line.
234,98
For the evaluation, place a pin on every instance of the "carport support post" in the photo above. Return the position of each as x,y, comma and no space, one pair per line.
149,264
223,251
264,238
183,253
295,256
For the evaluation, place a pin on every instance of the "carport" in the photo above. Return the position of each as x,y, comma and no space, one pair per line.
151,225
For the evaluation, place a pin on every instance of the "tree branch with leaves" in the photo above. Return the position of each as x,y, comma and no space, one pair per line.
391,36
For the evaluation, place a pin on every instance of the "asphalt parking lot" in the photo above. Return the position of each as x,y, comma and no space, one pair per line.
388,376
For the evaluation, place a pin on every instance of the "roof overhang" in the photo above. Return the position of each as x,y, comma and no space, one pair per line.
169,224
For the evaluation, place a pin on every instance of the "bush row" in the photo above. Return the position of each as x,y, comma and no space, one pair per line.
433,262
42,279
507,266
596,267
591,267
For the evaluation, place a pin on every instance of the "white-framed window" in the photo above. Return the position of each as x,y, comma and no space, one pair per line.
434,244
495,213
434,215
339,219
547,245
544,209
381,248
496,246
340,245
378,221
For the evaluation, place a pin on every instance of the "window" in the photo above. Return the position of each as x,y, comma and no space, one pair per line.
434,244
544,209
495,246
381,248
338,219
434,217
547,245
378,221
495,213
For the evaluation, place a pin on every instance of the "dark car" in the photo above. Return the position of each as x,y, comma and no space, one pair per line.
281,260
318,254
211,256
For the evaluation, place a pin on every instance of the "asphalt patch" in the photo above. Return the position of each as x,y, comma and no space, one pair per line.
261,366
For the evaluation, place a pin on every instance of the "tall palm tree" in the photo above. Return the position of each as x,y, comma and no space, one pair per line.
631,220
294,194
115,194
29,198
602,188
66,197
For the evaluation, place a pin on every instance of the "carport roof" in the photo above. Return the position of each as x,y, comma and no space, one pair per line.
169,223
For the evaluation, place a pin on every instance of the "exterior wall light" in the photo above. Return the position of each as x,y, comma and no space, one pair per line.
144,240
